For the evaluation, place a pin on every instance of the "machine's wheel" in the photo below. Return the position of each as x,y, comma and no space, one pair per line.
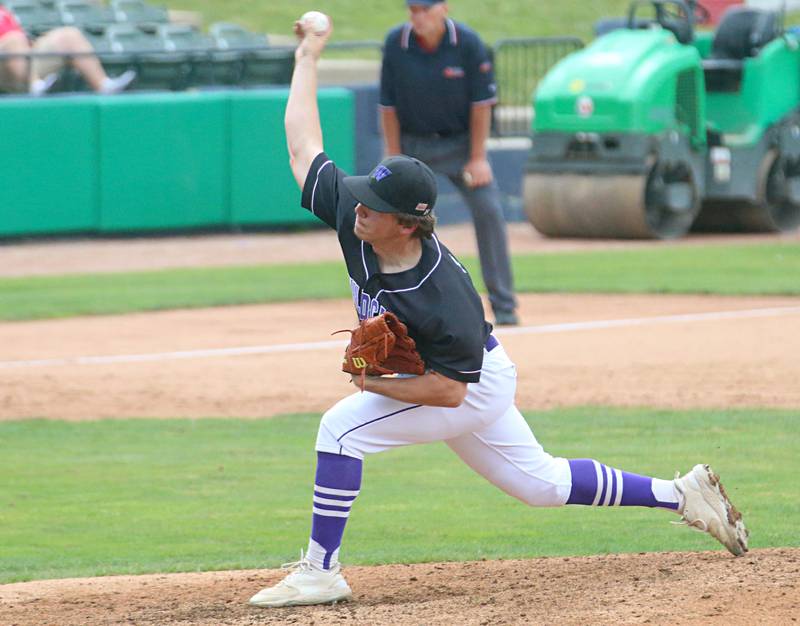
671,201
779,192
659,205
777,207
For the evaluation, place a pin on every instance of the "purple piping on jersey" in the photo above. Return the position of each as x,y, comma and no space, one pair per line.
492,100
451,26
418,285
377,419
405,37
364,263
314,190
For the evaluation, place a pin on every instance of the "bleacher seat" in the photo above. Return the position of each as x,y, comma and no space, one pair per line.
210,66
132,34
263,65
80,12
34,17
138,11
228,35
156,66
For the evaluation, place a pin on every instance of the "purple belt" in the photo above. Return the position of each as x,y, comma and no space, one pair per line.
491,343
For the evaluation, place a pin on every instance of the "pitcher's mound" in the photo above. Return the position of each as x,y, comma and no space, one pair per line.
658,588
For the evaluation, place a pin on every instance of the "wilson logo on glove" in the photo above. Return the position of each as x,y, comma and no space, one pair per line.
381,345
359,363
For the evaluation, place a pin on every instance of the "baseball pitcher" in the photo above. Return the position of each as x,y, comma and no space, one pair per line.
464,394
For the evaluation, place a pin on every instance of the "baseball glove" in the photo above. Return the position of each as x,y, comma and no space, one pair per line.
381,345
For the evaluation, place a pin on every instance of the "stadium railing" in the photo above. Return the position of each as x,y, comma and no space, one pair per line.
175,57
172,57
520,63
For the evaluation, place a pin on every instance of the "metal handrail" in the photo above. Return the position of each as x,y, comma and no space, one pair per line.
568,39
520,62
344,45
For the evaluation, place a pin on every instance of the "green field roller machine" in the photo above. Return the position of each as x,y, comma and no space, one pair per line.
654,129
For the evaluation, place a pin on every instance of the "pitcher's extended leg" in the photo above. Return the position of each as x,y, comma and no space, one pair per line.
507,454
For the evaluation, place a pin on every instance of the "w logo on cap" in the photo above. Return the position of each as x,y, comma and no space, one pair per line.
381,172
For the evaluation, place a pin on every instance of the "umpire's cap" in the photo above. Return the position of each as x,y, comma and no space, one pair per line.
398,184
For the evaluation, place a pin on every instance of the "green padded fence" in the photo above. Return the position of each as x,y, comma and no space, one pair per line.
164,162
263,190
49,167
157,161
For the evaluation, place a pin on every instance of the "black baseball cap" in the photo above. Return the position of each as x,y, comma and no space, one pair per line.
425,3
398,184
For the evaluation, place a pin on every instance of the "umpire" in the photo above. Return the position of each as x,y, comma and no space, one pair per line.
437,92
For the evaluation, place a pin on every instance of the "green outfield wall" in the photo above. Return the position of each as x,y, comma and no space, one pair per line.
150,162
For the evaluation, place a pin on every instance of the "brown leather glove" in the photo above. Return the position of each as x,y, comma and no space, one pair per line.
381,345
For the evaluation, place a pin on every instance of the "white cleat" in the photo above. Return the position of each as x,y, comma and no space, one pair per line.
304,585
706,508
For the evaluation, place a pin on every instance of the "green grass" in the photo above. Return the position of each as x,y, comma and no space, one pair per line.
93,294
736,270
371,19
136,496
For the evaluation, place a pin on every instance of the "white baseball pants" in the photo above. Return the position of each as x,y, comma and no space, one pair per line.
486,431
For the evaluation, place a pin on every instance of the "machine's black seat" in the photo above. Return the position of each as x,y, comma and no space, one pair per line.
741,34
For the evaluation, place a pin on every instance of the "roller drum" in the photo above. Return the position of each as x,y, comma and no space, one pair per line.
660,204
583,205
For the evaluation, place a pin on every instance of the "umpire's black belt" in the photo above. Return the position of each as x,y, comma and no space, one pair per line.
442,134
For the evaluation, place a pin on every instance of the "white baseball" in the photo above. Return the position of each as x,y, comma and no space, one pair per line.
318,21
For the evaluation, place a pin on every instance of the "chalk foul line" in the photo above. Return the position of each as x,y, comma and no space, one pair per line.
541,329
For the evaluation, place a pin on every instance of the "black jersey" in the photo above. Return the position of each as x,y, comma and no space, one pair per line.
435,299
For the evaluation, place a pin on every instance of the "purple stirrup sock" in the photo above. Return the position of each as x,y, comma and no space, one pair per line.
596,484
336,486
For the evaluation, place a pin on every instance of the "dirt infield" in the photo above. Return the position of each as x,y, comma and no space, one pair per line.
132,369
674,588
661,351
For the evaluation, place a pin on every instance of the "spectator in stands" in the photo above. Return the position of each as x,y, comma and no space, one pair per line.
16,74
437,91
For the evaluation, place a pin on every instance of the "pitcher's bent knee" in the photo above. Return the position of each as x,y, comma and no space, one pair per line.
331,427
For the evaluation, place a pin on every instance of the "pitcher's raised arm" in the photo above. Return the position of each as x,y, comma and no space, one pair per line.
303,130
